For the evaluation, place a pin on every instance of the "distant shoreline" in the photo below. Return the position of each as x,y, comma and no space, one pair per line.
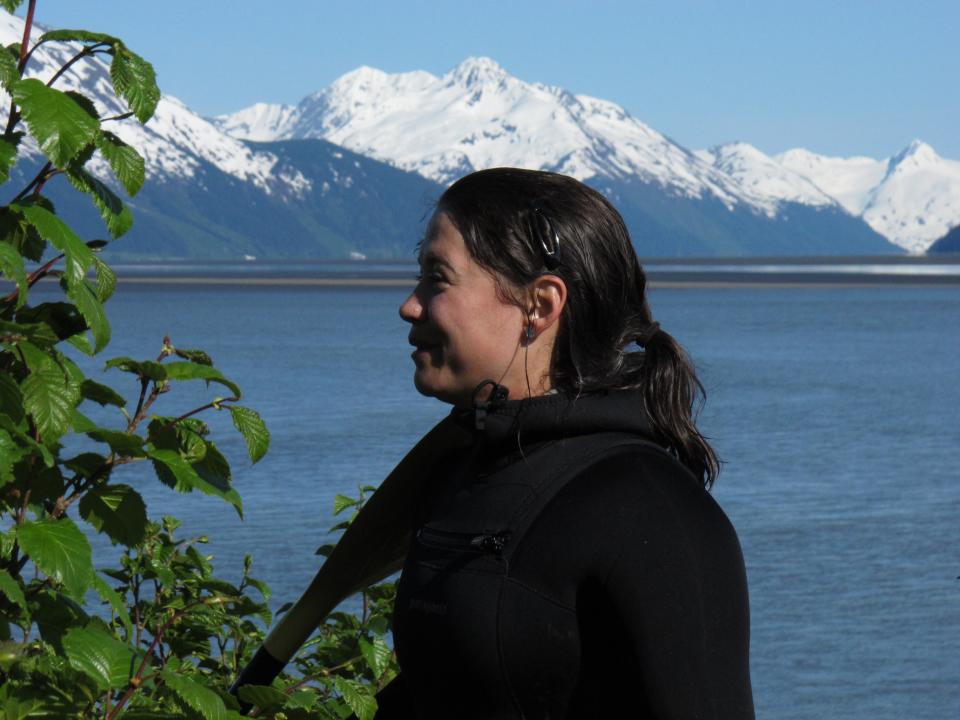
655,280
750,272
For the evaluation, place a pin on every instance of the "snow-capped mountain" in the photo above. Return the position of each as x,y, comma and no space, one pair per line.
763,176
478,116
849,180
208,194
912,198
174,142
215,188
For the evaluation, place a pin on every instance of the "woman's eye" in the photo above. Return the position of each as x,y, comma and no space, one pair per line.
430,277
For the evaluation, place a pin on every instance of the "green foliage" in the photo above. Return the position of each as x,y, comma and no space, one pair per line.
8,150
61,125
253,429
136,82
60,551
117,511
158,635
94,651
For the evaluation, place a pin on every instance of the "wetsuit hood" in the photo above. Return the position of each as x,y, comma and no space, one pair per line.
517,424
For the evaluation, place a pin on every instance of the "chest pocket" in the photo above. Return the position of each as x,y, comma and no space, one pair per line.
447,615
444,550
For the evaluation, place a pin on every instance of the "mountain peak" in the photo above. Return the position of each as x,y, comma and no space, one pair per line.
362,75
917,153
477,70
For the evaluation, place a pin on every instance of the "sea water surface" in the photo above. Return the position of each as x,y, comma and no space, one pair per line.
835,410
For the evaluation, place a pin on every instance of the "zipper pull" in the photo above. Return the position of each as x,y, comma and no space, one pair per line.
490,543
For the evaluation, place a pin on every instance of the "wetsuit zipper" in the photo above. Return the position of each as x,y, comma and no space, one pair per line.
483,542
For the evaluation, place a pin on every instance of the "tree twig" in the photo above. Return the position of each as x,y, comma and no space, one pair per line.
39,177
27,27
87,50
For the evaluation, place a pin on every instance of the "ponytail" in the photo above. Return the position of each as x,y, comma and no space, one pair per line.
673,396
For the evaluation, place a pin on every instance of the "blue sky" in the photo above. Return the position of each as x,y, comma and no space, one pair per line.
840,78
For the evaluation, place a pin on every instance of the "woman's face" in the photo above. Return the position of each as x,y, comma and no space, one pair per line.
462,331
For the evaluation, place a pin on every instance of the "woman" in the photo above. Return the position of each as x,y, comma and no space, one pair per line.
569,563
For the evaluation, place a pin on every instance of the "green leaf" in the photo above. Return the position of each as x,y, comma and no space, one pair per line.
115,601
91,110
8,67
61,126
11,588
261,587
203,700
7,424
23,333
16,231
304,699
377,654
179,474
127,164
84,296
123,444
81,343
101,394
59,234
118,511
185,436
65,35
136,82
341,503
86,465
263,696
80,422
358,697
109,662
147,369
8,150
11,264
106,279
48,323
61,551
115,214
254,431
10,455
197,356
11,401
186,370
16,707
214,470
49,396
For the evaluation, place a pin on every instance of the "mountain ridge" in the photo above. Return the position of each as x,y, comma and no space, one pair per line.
209,194
440,136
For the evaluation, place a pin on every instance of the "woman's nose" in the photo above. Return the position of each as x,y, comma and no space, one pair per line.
411,310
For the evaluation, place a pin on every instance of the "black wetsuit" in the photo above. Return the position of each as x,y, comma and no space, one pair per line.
568,567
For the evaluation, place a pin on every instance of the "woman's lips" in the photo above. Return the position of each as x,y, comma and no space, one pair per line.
423,347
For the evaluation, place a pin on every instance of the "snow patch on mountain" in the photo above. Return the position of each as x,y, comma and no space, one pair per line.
918,200
478,116
173,142
849,180
258,122
912,198
763,176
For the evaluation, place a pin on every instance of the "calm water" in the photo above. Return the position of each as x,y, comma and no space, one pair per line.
836,411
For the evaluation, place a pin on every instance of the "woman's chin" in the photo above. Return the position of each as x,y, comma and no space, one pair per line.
429,387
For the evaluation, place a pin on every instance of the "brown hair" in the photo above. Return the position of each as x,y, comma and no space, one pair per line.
509,219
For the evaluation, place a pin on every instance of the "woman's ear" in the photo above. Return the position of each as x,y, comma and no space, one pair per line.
548,295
